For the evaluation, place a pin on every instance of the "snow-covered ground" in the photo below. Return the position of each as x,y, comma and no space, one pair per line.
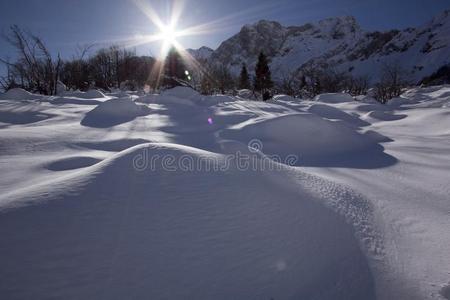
182,196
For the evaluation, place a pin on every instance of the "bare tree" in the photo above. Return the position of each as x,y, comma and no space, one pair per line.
357,85
392,81
34,69
290,83
221,78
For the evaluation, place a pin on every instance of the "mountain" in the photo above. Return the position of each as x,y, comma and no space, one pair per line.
339,43
203,53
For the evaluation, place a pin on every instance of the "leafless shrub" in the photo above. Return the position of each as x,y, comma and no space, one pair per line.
316,80
35,69
392,81
357,85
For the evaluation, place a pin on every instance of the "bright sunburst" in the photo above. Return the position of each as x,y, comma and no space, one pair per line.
168,31
169,34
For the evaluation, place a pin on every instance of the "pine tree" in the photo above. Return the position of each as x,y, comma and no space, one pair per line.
174,69
244,78
206,86
263,80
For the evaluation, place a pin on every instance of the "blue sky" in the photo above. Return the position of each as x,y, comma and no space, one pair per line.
64,24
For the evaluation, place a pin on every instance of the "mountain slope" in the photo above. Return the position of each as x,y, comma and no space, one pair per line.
339,43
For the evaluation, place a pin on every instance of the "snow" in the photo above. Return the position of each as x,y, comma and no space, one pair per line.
145,196
114,111
283,97
91,94
340,44
19,94
334,98
181,92
246,94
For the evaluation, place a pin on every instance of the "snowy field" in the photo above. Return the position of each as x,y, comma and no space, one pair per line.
183,196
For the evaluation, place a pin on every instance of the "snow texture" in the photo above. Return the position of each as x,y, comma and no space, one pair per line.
92,208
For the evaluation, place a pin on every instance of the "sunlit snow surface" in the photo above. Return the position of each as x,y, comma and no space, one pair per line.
91,206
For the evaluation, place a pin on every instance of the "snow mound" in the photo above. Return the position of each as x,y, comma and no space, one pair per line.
214,100
113,112
112,145
146,231
366,99
151,98
313,141
181,92
334,98
284,98
61,88
396,102
71,163
19,94
384,116
429,97
91,94
333,113
246,94
72,100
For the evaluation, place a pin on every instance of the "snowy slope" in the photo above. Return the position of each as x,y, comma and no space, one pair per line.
339,43
179,197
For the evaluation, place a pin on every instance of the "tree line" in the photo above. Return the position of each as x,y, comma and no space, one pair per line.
35,70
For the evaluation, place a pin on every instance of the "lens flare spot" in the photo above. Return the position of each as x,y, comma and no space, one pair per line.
210,121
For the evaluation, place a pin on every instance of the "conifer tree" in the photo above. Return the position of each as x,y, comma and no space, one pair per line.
263,81
174,69
244,78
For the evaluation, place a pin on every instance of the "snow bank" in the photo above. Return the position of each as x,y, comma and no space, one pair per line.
72,100
113,112
314,141
151,98
181,92
396,102
19,94
214,100
130,229
284,98
71,163
334,98
384,116
61,88
91,94
333,113
246,94
366,99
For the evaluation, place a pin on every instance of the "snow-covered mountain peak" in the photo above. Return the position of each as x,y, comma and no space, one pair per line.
340,43
202,53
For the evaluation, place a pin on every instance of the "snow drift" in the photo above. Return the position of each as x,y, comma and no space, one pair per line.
99,212
314,141
148,232
334,98
19,94
113,112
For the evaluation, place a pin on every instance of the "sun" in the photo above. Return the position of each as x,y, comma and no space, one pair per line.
169,35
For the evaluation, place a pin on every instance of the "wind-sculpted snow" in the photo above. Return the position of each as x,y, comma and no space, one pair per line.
185,196
150,232
315,141
114,112
19,94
